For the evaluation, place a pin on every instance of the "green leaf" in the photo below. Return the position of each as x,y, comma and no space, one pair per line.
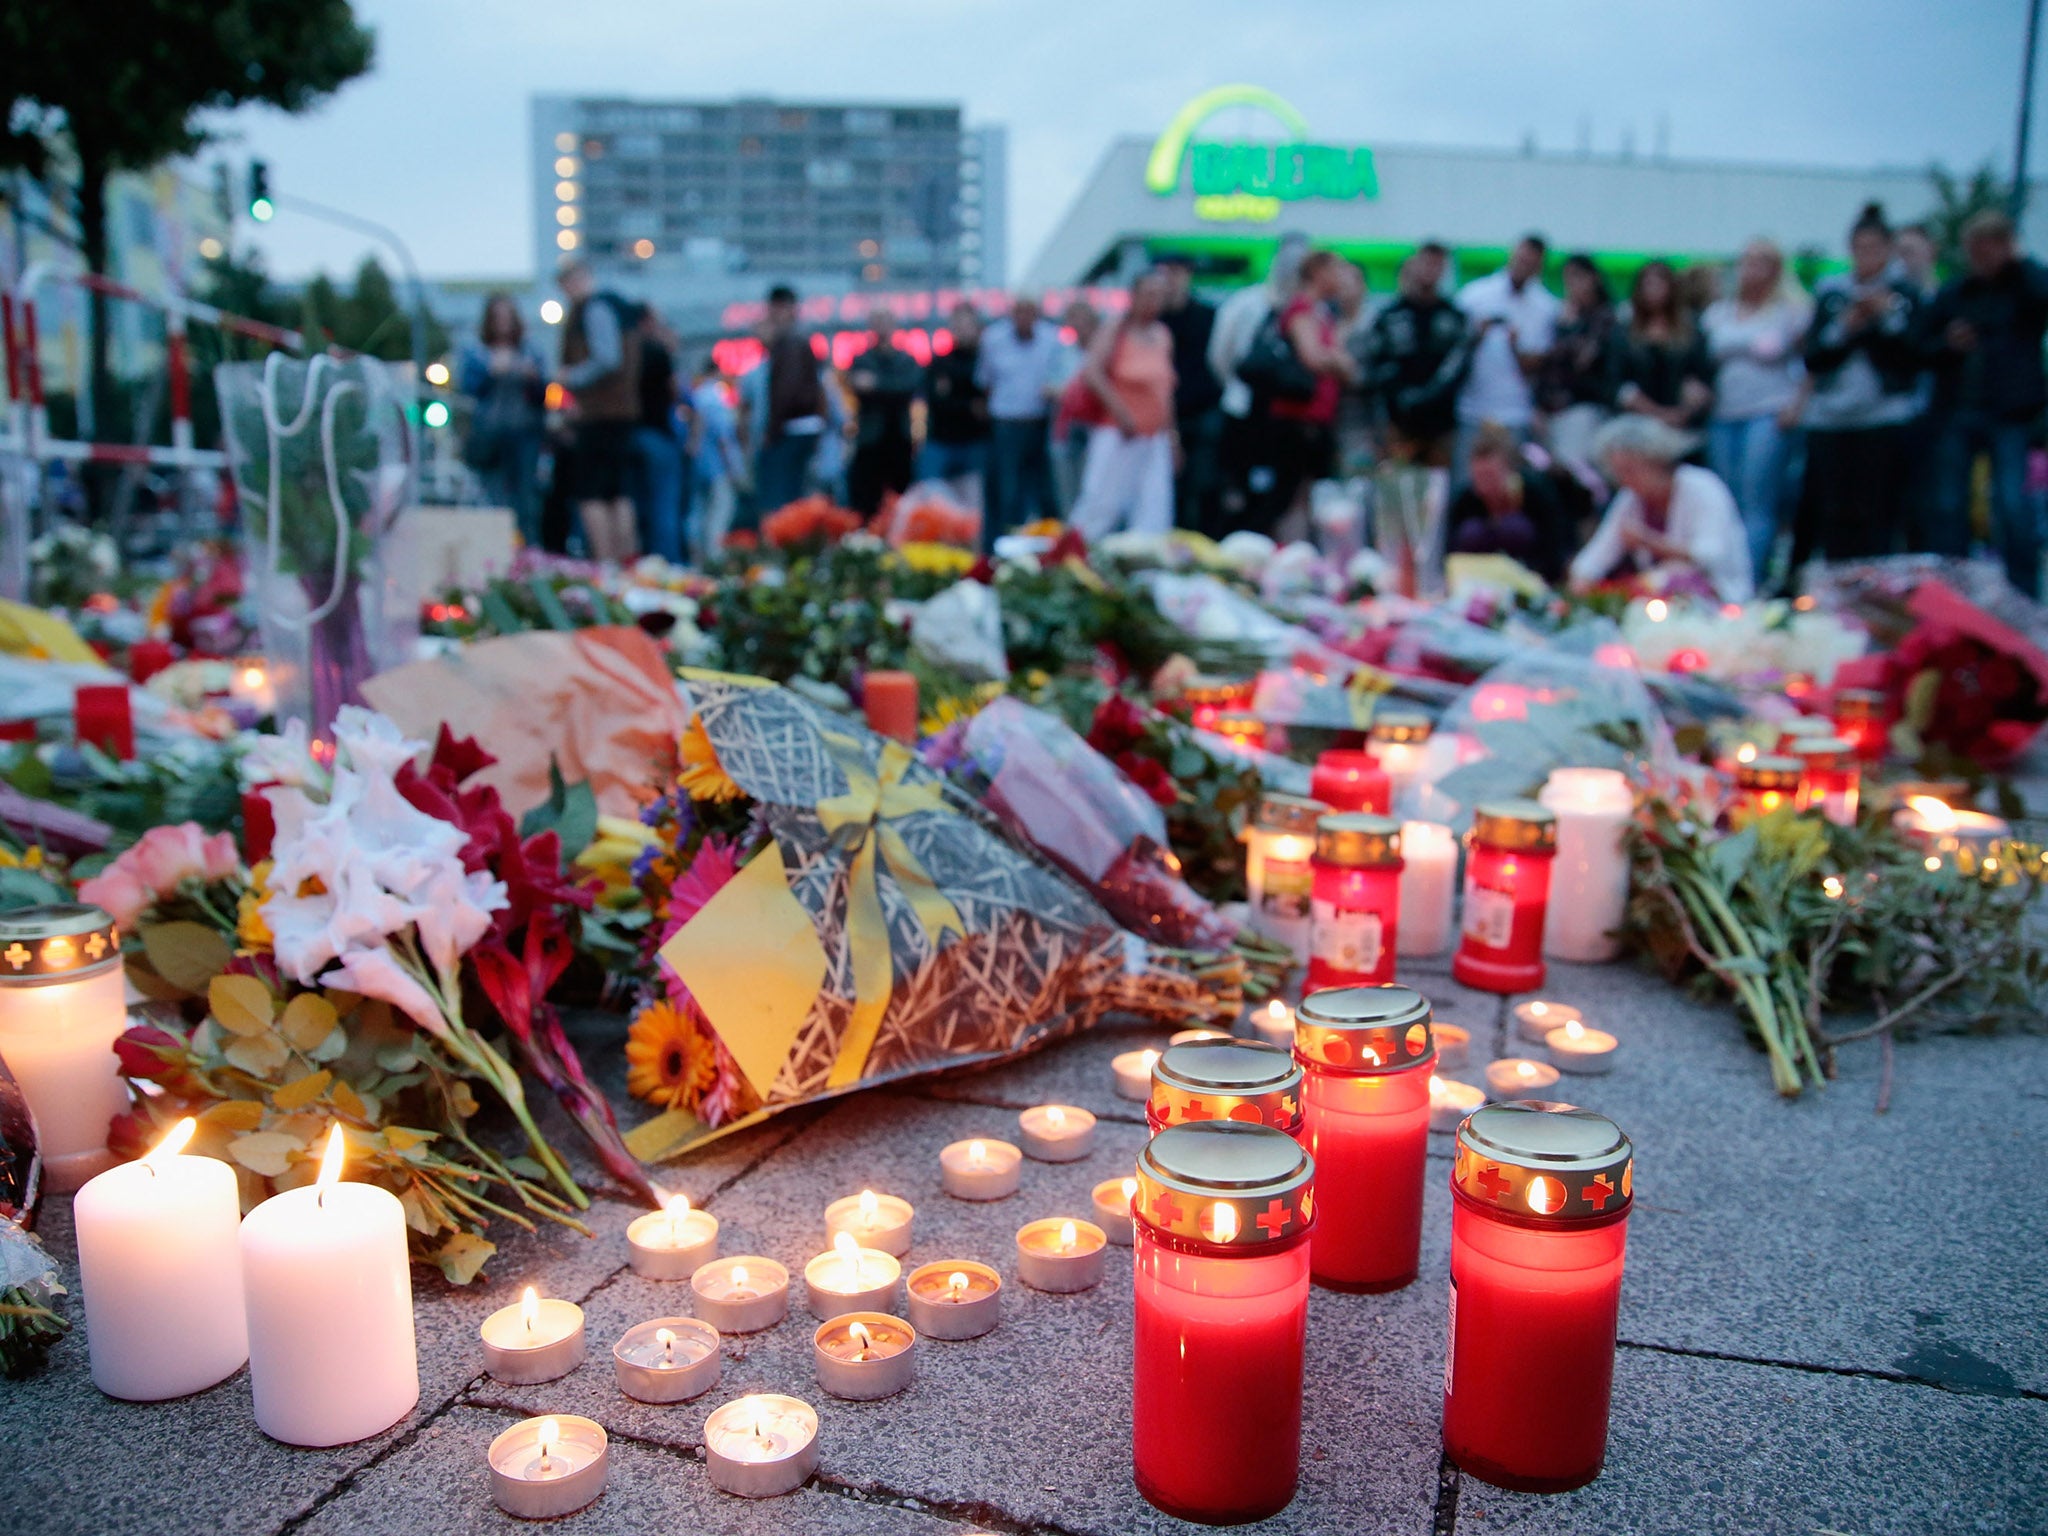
187,955
570,812
463,1255
241,1005
498,613
552,614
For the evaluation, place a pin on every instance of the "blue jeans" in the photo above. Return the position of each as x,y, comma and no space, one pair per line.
784,468
1749,456
513,480
2015,526
1020,488
952,461
658,492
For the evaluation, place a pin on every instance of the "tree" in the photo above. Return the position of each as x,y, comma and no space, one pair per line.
127,94
1956,202
376,322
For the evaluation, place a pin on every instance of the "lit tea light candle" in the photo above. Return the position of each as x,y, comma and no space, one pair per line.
1931,824
850,1278
332,1357
1450,1101
675,1243
742,1295
954,1299
980,1169
1112,1200
1581,1051
162,1276
1401,743
668,1360
1182,1037
545,1468
1429,888
533,1340
1273,1024
875,1221
761,1446
1056,1133
62,1006
1133,1073
1453,1046
1515,1077
1060,1255
1277,846
864,1355
1535,1020
251,694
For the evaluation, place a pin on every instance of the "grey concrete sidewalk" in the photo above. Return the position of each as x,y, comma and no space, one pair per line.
1831,1323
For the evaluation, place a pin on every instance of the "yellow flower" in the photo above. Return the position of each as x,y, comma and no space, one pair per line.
937,559
703,776
951,707
251,931
33,859
670,1060
1044,528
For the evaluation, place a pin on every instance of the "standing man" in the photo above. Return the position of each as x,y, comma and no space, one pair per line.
1020,368
884,382
1514,321
659,488
1243,458
1420,353
1198,398
793,414
599,369
956,413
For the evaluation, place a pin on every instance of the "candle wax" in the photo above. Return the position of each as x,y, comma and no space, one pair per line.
1429,888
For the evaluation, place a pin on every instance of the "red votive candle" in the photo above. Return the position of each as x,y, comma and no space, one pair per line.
1830,778
1221,1226
1247,1081
1539,1224
890,701
1763,785
1366,1055
1507,889
1860,721
147,657
101,715
17,730
1346,780
1205,700
1355,908
1247,731
259,825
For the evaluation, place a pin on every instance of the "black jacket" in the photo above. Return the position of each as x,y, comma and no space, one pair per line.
2002,375
1196,389
1892,344
1420,354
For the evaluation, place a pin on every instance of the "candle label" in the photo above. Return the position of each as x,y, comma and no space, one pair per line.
1284,892
1346,939
1451,1338
1489,915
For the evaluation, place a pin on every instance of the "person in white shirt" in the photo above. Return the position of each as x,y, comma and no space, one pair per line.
1020,367
1514,322
1670,518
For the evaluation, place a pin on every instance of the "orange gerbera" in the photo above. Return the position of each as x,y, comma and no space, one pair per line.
671,1059
251,931
703,776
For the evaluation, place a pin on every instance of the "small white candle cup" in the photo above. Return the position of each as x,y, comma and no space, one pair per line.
954,1299
850,1278
1056,1133
544,1468
1450,1101
63,1004
668,1360
881,1222
1183,1037
535,1339
1453,1046
1581,1051
1429,887
862,1356
1535,1020
980,1169
1112,1201
1273,1023
673,1244
1060,1254
1516,1077
741,1295
761,1446
1133,1073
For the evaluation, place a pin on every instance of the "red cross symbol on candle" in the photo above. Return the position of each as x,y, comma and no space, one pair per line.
1288,1110
1492,1183
1599,1192
1166,1210
1195,1109
1275,1218
16,955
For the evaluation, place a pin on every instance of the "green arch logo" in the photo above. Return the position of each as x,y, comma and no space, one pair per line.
1250,182
1162,168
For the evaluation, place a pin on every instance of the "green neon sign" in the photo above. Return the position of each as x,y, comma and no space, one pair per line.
1247,182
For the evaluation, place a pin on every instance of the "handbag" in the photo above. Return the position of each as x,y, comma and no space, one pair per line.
1272,369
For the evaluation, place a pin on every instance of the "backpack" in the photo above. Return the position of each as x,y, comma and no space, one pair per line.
1272,370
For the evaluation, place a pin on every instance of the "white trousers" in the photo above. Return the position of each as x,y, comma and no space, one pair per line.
1127,482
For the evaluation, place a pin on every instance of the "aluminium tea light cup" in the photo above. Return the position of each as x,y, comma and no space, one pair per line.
535,1339
760,1446
1112,1201
1450,1101
1132,1071
1516,1077
980,1169
850,1278
1273,1024
881,1222
1061,1255
675,1243
861,1356
1535,1020
741,1295
544,1468
1056,1133
668,1360
1581,1051
954,1299
1453,1046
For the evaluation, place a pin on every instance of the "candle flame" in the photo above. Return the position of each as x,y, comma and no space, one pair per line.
844,1245
1935,815
1656,609
667,1340
863,1341
1746,753
678,1207
1932,863
1436,1086
739,1277
1068,1237
173,1143
331,1159
956,1286
1832,887
252,677
529,1307
1130,1190
550,1435
1525,1070
1574,1030
977,1153
1276,1010
1223,1222
1539,1009
869,1207
1055,1119
1150,1058
1545,1195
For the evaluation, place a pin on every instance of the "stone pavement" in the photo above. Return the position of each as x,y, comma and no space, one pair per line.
1831,1323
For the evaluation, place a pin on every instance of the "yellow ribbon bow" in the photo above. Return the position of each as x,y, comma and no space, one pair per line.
1363,690
858,821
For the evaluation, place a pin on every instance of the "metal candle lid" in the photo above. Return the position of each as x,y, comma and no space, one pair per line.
1800,727
1548,1161
1397,725
1821,752
1201,689
1859,704
1232,1186
1514,826
1768,773
1359,840
1288,813
1371,1031
1246,1081
44,943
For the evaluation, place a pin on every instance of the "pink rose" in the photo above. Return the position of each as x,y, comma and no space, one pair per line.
116,892
161,860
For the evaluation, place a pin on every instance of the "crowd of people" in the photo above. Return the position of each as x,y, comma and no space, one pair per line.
1724,421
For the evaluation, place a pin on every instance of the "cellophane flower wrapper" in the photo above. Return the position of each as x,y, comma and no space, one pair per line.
882,927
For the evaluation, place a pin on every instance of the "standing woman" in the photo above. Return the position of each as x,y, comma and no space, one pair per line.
1304,440
1663,371
1127,480
1754,338
1863,352
1575,387
504,375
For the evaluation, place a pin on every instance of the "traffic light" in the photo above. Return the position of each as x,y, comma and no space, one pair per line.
260,205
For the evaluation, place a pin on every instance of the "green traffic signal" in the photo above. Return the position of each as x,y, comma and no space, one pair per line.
436,413
260,209
260,206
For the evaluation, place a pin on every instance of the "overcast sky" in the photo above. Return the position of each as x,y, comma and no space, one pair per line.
433,142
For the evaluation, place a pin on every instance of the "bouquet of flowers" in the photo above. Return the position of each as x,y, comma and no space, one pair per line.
814,521
69,565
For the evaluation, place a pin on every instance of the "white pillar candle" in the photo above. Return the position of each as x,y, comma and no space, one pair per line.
1581,1051
1589,880
332,1357
1056,1133
982,1169
63,1004
761,1446
673,1244
1429,885
161,1269
1060,1255
875,1221
1132,1071
1450,1101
